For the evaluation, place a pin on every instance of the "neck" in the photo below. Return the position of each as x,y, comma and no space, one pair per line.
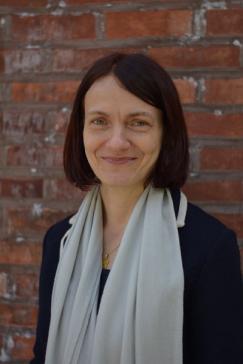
118,204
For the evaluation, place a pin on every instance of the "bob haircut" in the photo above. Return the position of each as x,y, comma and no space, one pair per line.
147,80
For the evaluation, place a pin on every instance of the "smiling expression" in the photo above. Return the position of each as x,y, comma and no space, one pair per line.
122,134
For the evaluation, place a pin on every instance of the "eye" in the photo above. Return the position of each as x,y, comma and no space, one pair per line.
139,123
99,122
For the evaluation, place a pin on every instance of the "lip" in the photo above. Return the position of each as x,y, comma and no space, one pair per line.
118,160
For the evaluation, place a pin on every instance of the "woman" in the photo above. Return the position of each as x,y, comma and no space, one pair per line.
137,275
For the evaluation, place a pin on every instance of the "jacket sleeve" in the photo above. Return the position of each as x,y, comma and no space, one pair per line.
47,274
216,317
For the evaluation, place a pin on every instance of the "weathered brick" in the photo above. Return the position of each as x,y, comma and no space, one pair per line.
33,220
61,189
215,191
233,221
186,89
224,22
224,91
33,155
25,61
19,253
19,124
77,60
42,28
57,121
71,60
17,315
214,125
59,91
19,284
197,56
16,188
220,159
22,125
166,23
4,91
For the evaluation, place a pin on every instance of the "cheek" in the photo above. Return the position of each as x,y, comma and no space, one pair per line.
152,147
89,141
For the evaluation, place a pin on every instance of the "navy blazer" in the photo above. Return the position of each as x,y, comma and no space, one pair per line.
213,292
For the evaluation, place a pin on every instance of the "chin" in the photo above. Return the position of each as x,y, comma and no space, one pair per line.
124,181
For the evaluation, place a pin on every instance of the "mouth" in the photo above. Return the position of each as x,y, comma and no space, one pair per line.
119,160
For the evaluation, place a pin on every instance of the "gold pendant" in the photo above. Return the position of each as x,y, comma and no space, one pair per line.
105,261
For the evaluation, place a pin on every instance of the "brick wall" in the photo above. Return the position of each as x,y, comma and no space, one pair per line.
45,47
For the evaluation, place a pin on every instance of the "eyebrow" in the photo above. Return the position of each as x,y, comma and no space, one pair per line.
134,113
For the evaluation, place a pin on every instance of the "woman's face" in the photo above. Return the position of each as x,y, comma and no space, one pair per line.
122,134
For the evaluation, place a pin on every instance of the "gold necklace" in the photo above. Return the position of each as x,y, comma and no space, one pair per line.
106,257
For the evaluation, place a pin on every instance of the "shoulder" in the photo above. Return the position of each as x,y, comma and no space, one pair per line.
204,237
57,230
53,238
201,226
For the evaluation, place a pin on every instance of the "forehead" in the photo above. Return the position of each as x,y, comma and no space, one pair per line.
108,93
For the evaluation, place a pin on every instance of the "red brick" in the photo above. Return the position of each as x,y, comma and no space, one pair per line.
61,189
20,3
212,125
193,57
16,253
227,22
28,188
25,60
227,91
22,349
60,91
52,28
26,285
34,220
166,23
34,155
215,191
17,315
187,90
233,221
220,159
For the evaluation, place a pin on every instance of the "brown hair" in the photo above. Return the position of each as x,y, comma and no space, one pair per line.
146,79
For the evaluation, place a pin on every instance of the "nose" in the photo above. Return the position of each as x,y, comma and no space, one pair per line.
118,139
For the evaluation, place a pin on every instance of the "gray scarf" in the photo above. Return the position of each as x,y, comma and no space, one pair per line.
140,318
